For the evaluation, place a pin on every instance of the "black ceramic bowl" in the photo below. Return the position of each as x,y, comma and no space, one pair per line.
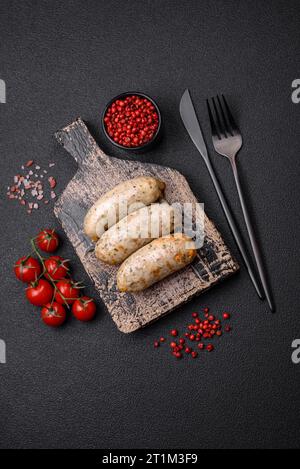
146,146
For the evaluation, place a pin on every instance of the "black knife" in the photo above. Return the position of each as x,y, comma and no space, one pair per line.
191,123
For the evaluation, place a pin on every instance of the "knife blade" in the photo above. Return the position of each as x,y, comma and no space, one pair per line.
192,125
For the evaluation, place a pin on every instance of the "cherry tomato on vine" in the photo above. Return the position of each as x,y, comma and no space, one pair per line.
39,293
84,308
53,314
47,240
68,292
57,267
27,269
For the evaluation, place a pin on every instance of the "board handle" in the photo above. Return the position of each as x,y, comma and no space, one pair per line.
77,140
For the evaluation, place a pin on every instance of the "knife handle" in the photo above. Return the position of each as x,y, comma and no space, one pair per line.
233,227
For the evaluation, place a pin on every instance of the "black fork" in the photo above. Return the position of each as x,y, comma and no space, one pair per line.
227,141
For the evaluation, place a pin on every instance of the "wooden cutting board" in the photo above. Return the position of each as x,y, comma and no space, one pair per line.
98,173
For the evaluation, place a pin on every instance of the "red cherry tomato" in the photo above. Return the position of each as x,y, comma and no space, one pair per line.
27,269
57,267
84,308
53,314
39,293
47,240
67,292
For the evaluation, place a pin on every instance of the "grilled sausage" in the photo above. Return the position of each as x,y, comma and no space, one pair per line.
135,231
135,193
155,261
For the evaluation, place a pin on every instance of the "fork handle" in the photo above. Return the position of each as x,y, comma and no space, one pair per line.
234,229
253,240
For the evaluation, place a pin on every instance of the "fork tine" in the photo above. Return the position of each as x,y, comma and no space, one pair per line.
229,115
227,128
219,124
214,129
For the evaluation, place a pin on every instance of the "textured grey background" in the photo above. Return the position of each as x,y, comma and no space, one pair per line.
87,385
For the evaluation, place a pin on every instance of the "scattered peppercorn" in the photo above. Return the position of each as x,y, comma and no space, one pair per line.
174,332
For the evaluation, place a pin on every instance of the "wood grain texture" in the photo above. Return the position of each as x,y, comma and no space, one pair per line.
97,173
